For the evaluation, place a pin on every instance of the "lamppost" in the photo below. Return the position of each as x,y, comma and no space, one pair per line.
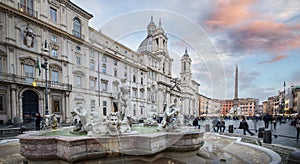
44,65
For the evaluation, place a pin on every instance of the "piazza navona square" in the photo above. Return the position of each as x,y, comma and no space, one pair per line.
174,82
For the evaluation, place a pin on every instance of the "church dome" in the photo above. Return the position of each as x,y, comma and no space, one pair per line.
146,45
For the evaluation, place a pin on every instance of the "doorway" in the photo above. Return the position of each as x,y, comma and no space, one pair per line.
30,105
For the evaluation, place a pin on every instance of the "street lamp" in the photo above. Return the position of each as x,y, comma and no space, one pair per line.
44,65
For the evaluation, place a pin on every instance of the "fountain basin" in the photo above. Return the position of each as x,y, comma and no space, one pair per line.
33,146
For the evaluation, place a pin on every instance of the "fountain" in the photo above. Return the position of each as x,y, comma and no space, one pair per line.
114,141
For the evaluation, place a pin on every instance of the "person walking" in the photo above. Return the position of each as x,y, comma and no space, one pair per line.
244,125
37,121
275,119
298,126
266,119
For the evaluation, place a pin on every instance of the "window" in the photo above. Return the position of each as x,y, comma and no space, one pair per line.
29,73
103,68
93,102
78,81
141,111
54,76
54,53
92,53
125,74
92,65
115,88
134,93
104,59
27,7
53,15
1,103
53,38
141,94
133,78
125,67
92,84
115,72
78,60
104,103
56,106
76,27
115,62
104,86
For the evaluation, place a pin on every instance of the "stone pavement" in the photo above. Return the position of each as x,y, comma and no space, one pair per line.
286,134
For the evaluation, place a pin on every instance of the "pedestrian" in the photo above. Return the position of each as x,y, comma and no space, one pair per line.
222,125
37,121
244,125
195,122
255,119
199,123
298,126
216,123
266,119
275,119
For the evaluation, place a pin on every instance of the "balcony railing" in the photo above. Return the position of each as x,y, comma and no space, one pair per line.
17,79
27,10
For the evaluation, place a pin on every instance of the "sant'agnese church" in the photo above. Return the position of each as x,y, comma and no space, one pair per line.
51,60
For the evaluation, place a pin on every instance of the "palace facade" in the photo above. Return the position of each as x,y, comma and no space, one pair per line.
51,60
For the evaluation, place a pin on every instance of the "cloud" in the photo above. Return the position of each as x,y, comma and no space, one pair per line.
268,36
228,13
277,58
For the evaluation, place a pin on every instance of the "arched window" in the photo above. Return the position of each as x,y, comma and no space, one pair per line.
76,27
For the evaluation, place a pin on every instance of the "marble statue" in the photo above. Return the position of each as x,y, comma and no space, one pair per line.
54,121
124,100
151,120
82,114
170,119
90,123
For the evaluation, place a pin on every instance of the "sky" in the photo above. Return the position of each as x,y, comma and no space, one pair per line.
261,37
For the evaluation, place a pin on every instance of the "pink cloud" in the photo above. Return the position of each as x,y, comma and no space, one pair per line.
268,36
229,13
277,58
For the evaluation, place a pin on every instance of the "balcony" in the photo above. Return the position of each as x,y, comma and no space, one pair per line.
27,10
12,78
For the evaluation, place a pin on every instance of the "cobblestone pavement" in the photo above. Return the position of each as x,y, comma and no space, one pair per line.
286,134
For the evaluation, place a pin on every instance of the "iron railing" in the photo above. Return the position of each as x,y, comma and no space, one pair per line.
17,79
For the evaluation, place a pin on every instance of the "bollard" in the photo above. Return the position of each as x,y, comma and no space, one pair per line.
267,136
260,132
207,128
230,129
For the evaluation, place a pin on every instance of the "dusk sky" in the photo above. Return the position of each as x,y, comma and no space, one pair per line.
262,37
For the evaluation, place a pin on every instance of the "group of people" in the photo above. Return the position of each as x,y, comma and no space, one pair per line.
219,124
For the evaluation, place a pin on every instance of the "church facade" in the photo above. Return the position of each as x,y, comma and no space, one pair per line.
51,60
